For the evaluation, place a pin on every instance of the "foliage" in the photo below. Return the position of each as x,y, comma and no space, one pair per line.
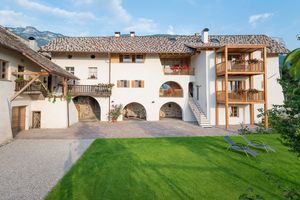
292,62
177,168
115,112
245,130
68,98
285,119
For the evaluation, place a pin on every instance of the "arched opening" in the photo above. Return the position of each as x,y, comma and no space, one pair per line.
170,89
191,89
170,110
88,108
134,111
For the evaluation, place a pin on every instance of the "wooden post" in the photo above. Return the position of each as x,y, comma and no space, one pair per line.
251,86
216,90
265,87
226,89
65,85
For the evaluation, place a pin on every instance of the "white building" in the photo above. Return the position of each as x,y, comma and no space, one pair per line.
215,80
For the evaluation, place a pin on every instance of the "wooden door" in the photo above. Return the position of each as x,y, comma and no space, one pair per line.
36,119
18,119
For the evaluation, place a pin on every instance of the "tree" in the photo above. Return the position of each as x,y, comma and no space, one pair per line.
292,62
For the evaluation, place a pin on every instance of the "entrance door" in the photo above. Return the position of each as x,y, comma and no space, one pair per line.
36,119
18,119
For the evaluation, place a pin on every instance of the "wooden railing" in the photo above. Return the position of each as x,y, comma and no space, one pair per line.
34,88
180,70
103,90
171,93
241,66
245,96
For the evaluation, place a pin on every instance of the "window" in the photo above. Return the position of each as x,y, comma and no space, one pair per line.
21,69
234,111
70,69
198,87
123,84
92,73
137,84
127,59
234,85
139,58
3,69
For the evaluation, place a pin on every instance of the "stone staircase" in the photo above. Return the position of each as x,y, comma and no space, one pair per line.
200,116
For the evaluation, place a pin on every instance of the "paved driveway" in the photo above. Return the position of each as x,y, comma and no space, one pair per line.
30,168
124,129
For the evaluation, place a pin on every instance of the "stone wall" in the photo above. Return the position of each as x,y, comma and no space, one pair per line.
170,110
134,110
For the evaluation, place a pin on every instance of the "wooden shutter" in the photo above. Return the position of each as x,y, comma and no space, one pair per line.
142,83
119,83
133,83
133,58
223,85
243,84
127,83
115,58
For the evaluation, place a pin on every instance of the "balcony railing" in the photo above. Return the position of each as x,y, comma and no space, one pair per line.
242,96
103,90
179,70
36,87
249,66
171,93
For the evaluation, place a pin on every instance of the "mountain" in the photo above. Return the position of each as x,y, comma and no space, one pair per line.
42,37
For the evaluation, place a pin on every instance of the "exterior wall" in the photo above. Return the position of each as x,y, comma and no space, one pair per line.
6,92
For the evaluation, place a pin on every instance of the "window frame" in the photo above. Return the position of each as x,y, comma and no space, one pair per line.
70,71
139,60
234,111
3,70
93,73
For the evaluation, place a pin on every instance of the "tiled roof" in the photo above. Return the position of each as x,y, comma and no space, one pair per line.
155,44
10,40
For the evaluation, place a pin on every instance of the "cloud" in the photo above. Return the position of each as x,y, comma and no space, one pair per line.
170,30
83,1
143,25
14,19
259,18
32,5
118,10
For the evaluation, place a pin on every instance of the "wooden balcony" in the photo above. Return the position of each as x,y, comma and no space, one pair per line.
36,87
241,67
241,97
179,70
171,93
103,90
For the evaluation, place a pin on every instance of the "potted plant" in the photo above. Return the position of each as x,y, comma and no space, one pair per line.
115,112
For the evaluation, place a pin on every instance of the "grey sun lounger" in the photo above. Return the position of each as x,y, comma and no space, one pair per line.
239,147
258,144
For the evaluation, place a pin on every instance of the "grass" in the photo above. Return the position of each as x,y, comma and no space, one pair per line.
177,168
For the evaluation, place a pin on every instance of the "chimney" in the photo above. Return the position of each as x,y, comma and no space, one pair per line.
32,43
117,34
132,34
204,35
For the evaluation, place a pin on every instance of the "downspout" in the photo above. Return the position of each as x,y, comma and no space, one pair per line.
109,81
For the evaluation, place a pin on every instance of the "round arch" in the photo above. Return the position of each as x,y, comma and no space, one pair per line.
87,107
170,110
134,111
170,89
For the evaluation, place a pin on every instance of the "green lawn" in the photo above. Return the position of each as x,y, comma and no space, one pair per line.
177,168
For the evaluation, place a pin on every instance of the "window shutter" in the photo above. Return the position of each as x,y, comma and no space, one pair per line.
133,58
127,83
133,83
223,85
114,58
243,85
120,58
119,83
142,83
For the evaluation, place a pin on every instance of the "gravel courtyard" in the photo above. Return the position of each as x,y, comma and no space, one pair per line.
30,168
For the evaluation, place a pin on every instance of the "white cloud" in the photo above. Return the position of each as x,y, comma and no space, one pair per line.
14,19
32,5
259,18
118,10
143,25
83,1
170,30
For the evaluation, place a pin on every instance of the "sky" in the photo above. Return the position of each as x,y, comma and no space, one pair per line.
277,18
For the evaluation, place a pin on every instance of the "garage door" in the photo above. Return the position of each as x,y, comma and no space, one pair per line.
18,119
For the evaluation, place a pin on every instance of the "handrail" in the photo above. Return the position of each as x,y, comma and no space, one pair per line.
241,66
242,96
101,90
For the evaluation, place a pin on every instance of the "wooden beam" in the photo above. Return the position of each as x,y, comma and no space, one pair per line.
226,89
251,86
265,87
65,85
31,73
216,90
24,88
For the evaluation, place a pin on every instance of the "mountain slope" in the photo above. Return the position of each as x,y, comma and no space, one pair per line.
42,37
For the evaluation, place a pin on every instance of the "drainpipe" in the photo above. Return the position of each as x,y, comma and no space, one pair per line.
109,81
68,114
